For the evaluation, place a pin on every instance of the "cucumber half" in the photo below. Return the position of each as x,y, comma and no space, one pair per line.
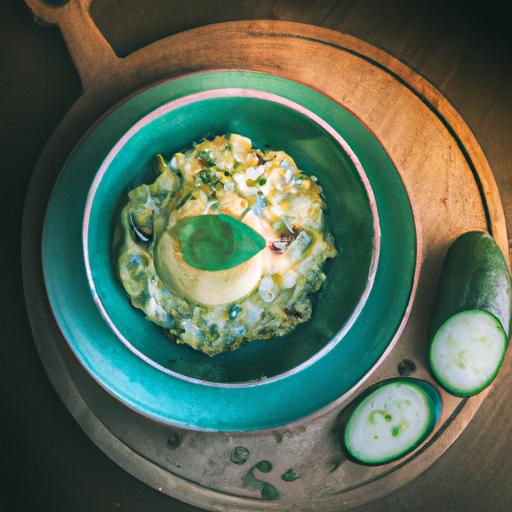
471,317
467,352
390,420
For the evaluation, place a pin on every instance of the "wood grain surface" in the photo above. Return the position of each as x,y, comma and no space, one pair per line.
49,460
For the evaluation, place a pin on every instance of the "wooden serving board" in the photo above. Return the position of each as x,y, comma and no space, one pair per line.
452,190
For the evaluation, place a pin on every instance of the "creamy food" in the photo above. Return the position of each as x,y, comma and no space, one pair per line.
265,296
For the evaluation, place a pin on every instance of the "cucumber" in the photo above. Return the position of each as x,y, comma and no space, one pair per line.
390,420
471,320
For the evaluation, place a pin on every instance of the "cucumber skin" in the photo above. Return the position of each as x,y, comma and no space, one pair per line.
475,275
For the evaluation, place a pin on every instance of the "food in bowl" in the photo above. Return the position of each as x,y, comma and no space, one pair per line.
220,308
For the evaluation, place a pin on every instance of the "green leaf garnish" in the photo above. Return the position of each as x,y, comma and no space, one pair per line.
216,242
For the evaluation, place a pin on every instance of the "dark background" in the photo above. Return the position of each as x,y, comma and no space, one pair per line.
47,462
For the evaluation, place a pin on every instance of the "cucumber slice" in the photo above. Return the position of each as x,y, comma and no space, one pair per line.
471,319
390,420
467,352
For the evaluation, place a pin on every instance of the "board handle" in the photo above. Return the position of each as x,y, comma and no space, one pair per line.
92,55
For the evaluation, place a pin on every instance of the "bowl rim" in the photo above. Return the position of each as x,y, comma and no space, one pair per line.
233,92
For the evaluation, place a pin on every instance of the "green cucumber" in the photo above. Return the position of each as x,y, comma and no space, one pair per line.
390,420
471,320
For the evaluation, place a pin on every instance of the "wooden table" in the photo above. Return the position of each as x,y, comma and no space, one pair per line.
47,458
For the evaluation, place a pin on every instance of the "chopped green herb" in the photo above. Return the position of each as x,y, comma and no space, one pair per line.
205,156
144,296
183,200
214,330
245,212
205,175
262,181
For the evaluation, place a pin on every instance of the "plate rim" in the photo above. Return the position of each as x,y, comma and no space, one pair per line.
417,259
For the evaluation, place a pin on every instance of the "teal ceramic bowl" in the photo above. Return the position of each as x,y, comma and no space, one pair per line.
263,384
270,121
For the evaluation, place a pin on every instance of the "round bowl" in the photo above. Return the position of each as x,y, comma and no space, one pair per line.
264,384
270,121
